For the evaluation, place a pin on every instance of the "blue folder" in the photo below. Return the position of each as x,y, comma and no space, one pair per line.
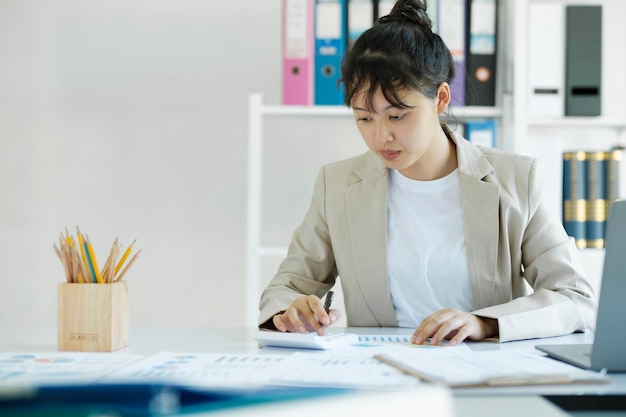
141,400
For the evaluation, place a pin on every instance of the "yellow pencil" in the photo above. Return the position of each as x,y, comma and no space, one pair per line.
124,256
68,241
132,260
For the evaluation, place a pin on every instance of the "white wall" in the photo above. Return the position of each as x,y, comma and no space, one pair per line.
128,119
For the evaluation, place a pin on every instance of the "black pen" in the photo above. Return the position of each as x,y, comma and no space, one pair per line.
329,300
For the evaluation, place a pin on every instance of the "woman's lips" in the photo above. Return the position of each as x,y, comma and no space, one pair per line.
390,155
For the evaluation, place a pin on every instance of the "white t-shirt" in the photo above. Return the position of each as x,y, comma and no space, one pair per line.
426,256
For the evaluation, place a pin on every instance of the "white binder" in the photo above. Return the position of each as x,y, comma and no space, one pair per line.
546,59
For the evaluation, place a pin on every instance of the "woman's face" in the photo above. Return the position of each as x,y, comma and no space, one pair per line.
404,139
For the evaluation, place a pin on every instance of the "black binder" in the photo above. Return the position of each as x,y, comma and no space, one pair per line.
583,66
480,49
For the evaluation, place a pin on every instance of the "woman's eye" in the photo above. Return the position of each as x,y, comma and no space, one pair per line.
363,119
398,117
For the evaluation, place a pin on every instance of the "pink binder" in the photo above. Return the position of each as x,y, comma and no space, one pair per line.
298,48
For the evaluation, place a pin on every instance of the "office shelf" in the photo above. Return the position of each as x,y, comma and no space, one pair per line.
342,111
576,122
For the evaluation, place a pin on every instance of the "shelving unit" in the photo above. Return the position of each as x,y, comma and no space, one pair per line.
568,131
567,124
516,128
577,122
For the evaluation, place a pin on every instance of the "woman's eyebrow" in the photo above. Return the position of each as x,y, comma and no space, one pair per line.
391,106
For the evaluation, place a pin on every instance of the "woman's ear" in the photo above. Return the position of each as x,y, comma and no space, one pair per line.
443,97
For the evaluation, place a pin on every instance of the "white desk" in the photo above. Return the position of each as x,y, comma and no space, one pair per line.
469,402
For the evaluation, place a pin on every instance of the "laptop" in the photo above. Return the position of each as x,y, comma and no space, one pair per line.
608,350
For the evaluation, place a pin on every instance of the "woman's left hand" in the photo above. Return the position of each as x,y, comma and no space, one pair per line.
454,325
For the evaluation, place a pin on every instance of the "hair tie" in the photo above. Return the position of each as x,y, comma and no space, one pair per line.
412,17
416,16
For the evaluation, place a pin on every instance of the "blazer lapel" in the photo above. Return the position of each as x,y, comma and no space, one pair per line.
366,206
480,205
479,202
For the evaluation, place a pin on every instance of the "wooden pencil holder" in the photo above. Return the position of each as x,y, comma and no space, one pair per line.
93,317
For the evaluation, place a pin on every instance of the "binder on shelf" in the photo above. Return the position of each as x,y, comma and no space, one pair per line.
480,46
575,196
612,173
583,68
360,16
596,199
298,59
330,45
481,132
546,59
451,28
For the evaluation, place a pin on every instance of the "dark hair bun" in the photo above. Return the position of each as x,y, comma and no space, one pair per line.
409,10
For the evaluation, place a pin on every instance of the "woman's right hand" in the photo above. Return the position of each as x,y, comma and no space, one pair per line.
306,314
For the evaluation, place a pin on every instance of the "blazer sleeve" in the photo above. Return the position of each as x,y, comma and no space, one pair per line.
562,300
309,267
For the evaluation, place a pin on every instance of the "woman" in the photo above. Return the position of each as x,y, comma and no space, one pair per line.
426,230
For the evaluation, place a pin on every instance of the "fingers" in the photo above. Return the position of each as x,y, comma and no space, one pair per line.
430,326
334,315
448,324
305,314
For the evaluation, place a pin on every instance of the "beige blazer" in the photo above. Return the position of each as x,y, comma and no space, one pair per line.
524,269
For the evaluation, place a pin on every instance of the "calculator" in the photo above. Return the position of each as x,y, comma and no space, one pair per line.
309,340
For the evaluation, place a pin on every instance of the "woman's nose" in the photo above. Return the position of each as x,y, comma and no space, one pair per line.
383,134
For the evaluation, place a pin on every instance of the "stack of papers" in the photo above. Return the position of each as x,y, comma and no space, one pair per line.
487,368
370,363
